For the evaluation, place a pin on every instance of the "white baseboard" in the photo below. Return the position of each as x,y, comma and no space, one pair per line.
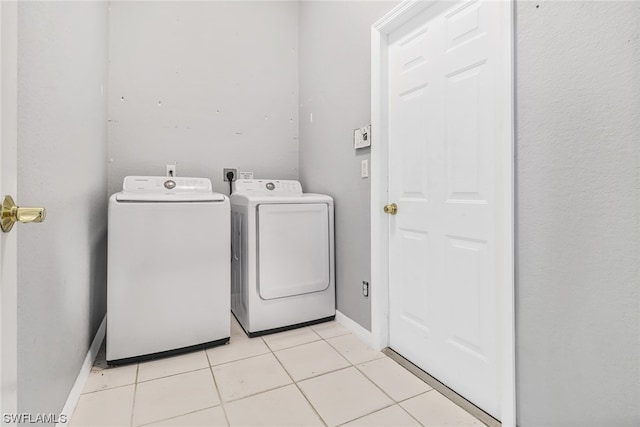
76,390
355,329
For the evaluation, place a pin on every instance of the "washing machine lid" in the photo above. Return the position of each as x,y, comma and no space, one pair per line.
165,189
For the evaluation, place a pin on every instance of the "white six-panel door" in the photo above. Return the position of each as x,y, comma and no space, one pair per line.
446,142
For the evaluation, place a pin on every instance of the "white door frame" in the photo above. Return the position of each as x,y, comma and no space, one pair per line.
8,185
380,191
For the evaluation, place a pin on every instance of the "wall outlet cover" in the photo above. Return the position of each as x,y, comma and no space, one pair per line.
364,168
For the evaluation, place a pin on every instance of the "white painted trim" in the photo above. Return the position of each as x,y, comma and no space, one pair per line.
379,290
401,14
507,315
83,375
9,179
355,328
379,197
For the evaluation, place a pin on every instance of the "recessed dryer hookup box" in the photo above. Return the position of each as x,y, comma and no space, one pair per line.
362,137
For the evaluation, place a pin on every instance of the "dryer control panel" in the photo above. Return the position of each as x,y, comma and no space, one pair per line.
266,187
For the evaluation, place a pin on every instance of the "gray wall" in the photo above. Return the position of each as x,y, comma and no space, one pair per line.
578,142
62,109
205,84
335,86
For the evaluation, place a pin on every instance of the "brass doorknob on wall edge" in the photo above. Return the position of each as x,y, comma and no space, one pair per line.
391,209
12,214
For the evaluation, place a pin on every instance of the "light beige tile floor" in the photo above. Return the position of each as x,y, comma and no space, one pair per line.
315,376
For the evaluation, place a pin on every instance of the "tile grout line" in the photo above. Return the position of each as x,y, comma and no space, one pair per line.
300,390
310,327
376,385
409,398
320,374
215,384
346,331
169,376
410,414
107,388
419,394
135,392
395,402
242,358
292,346
382,390
366,415
257,393
176,416
339,352
196,369
345,357
372,382
174,375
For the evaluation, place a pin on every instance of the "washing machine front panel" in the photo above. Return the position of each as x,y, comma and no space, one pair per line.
168,276
293,249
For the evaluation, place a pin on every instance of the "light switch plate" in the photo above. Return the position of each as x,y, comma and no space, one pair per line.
362,137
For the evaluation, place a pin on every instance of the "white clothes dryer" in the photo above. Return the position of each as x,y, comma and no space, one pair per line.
282,263
168,278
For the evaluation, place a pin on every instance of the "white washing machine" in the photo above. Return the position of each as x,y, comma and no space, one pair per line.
168,285
282,264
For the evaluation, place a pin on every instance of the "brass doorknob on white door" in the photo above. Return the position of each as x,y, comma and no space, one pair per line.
391,209
12,214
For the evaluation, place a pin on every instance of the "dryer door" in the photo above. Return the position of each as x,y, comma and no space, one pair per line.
293,249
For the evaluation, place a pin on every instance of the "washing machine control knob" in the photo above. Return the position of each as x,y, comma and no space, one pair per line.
270,186
170,184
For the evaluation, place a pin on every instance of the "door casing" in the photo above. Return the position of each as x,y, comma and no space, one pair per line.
380,191
8,186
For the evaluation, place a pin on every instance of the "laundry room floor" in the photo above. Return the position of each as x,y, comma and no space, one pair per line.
320,375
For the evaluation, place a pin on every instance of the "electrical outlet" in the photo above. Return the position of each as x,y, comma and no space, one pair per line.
171,170
225,171
364,169
365,288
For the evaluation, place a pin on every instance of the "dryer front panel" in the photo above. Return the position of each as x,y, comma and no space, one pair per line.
293,249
